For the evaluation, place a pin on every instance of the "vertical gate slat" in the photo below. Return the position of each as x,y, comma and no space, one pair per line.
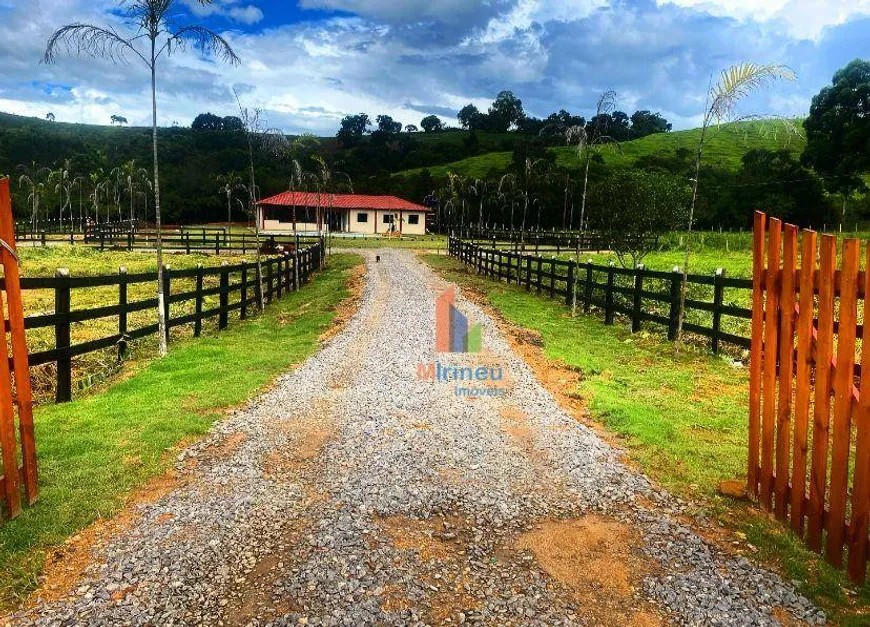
822,406
861,482
7,427
842,423
805,319
768,396
786,366
18,339
755,351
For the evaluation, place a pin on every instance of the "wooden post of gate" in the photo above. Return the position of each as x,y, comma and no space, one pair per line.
20,366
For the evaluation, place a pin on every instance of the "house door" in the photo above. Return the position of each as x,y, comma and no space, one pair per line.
335,221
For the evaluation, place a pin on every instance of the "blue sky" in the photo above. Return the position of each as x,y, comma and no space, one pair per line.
307,63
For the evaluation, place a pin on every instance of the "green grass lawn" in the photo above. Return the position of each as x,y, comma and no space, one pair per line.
725,147
88,261
94,451
479,166
683,419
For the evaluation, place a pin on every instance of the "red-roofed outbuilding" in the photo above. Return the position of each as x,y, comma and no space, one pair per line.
349,213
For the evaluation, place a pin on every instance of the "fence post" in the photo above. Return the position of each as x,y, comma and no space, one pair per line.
674,313
529,273
197,321
296,270
280,277
269,280
587,299
244,310
42,238
187,242
217,243
718,293
63,393
102,239
167,291
570,285
223,317
122,314
608,295
130,240
637,300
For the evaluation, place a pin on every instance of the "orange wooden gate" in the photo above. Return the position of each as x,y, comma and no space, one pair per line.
809,414
17,470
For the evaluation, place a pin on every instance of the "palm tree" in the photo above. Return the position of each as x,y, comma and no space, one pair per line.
34,178
80,181
587,139
258,136
229,184
97,188
734,84
156,21
62,179
480,189
507,191
132,177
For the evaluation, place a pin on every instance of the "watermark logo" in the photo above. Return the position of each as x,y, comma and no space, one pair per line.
452,333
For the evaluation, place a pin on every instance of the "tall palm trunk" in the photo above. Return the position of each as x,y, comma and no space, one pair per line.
580,236
685,280
161,311
252,198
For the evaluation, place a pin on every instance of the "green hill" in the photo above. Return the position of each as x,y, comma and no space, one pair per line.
725,148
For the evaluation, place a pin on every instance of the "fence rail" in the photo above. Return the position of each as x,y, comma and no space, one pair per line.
237,289
202,240
537,241
643,296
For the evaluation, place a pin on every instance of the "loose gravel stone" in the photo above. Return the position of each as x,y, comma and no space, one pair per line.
355,493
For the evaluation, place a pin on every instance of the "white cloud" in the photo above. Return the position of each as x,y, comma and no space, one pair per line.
246,15
232,9
805,19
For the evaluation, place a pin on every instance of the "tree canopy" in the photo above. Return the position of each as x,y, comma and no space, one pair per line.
432,124
212,122
838,128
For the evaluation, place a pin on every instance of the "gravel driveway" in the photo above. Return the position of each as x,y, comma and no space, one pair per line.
356,493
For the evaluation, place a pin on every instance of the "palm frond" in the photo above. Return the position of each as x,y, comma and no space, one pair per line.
739,81
88,39
206,41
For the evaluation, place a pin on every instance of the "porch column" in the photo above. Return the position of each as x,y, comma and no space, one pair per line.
294,218
401,219
376,221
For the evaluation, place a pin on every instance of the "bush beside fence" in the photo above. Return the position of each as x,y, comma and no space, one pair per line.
643,296
234,287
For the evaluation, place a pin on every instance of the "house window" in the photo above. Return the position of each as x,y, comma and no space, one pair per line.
414,218
362,217
388,218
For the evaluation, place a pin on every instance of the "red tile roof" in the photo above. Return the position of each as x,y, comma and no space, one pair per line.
341,201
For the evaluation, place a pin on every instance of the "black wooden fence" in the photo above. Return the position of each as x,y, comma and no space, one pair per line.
714,306
236,289
548,241
192,240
